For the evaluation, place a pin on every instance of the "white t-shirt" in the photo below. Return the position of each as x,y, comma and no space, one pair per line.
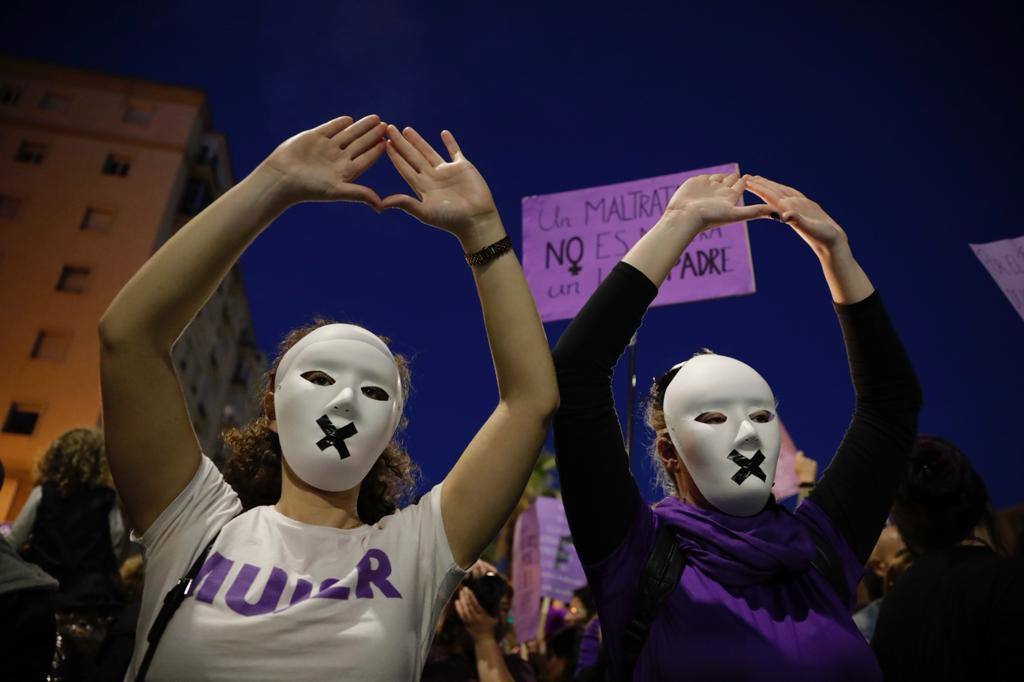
278,599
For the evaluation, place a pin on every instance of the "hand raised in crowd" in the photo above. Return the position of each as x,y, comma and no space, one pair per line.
322,164
713,200
810,221
450,195
479,624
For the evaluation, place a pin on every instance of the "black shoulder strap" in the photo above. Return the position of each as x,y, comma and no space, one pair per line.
826,562
172,600
659,577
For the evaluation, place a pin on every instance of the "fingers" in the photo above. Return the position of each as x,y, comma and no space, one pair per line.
364,161
334,126
472,605
754,212
407,172
366,141
407,151
423,147
730,179
451,145
783,191
763,190
343,138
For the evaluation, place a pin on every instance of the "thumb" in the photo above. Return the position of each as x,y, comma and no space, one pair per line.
363,195
405,203
754,212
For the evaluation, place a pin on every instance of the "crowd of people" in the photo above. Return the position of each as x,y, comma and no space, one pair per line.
309,556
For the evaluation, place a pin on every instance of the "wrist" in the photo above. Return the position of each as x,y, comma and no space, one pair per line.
686,220
836,253
483,231
273,187
483,639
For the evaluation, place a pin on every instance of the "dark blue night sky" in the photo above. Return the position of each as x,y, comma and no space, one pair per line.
902,123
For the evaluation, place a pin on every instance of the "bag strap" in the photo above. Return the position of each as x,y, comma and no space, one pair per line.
660,575
172,600
826,562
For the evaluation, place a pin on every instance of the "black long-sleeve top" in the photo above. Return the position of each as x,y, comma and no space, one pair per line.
598,490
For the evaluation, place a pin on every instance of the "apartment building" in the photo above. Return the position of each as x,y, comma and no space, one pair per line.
96,172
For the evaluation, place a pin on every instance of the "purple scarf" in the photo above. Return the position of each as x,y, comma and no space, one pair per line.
739,550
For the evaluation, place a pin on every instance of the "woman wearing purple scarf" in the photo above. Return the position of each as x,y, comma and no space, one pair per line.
752,602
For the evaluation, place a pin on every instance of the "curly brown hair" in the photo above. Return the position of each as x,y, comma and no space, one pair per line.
253,468
75,460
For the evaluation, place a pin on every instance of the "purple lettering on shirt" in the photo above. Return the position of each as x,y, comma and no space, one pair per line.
215,569
303,588
328,592
377,576
267,601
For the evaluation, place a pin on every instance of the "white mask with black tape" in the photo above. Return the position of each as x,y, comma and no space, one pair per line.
720,415
337,401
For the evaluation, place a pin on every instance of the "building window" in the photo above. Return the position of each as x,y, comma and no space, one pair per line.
97,219
22,418
138,113
9,206
9,94
116,164
51,346
55,101
30,152
195,198
74,279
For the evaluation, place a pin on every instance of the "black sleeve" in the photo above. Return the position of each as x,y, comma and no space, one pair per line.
598,489
857,489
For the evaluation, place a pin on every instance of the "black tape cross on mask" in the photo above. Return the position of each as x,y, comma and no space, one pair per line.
335,437
748,467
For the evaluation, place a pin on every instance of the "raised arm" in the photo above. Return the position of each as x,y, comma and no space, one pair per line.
151,446
857,488
598,490
484,485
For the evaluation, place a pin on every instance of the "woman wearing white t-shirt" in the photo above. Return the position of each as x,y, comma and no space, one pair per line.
306,589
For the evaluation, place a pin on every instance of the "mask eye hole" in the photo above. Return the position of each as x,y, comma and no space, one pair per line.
317,377
762,416
711,418
375,393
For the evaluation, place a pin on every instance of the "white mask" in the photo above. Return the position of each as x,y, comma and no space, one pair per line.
335,421
731,460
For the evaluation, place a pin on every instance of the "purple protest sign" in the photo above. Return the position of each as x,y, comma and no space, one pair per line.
1004,260
571,240
526,575
544,563
560,568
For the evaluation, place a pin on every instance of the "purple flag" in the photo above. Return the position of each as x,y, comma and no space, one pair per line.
1004,260
571,240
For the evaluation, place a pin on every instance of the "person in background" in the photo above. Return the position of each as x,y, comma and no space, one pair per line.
71,527
467,640
581,608
878,577
957,613
28,628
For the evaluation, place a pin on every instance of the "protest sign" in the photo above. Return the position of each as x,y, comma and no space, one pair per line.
786,483
571,240
1004,260
544,563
